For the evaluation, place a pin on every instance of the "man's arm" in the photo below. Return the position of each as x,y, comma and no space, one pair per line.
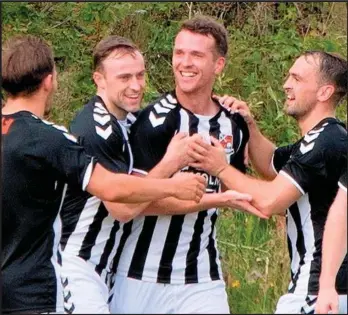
334,249
270,197
261,149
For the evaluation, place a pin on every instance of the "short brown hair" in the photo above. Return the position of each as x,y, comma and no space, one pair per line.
25,63
333,68
208,26
107,45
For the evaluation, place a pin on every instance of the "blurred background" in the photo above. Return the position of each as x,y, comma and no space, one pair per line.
264,40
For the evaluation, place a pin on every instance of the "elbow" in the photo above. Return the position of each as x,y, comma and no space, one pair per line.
267,207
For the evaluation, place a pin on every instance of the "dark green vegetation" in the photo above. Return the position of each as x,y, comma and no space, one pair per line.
264,40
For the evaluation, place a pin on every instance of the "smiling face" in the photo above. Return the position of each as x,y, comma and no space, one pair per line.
121,81
195,62
301,87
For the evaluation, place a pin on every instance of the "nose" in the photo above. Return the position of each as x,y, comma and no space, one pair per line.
135,84
286,85
186,60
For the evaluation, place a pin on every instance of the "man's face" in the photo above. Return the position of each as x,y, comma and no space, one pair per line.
195,62
122,80
301,87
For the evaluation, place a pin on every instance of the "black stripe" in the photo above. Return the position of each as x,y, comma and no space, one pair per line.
137,265
127,229
170,246
108,248
300,244
191,270
72,208
93,231
214,270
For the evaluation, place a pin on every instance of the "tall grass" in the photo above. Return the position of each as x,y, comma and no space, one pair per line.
264,39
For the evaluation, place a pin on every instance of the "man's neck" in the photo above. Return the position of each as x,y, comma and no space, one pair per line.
197,103
114,110
314,117
33,104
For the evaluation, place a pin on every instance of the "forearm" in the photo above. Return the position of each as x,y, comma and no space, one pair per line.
260,152
125,188
172,206
334,241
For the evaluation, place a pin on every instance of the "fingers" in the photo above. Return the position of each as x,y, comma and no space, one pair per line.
239,196
180,135
198,148
215,142
195,156
246,206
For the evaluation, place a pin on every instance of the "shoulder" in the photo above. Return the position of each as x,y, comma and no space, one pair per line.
158,112
94,119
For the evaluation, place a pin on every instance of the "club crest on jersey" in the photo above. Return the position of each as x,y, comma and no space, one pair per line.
227,142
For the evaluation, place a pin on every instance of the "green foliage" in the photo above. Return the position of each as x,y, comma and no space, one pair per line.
264,39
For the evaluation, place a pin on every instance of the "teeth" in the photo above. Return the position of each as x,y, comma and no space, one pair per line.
188,74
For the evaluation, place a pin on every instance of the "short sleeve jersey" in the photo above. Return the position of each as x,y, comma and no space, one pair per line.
178,248
38,159
313,164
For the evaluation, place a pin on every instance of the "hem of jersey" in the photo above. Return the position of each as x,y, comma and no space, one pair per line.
272,162
41,309
172,281
286,175
139,171
342,187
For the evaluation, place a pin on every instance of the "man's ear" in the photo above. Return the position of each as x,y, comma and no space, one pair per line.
325,92
219,65
47,83
98,79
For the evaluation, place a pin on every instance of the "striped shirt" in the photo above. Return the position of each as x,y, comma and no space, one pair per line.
178,248
88,230
313,164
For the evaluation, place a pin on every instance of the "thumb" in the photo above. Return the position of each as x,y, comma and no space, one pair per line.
180,135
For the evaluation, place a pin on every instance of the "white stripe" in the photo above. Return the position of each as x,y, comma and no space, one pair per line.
125,135
179,261
156,247
88,174
342,186
75,240
240,139
57,230
293,233
166,104
185,122
100,110
102,237
293,181
309,241
129,246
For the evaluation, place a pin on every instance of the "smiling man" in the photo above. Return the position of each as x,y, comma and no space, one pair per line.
302,176
172,261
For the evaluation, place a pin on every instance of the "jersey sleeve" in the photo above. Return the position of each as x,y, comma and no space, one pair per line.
68,160
149,139
105,142
343,179
311,162
242,139
281,156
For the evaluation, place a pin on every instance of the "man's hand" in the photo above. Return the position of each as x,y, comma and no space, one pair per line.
209,157
176,154
189,186
236,106
327,301
236,200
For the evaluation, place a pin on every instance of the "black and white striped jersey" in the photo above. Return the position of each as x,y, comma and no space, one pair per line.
178,248
313,164
38,158
88,230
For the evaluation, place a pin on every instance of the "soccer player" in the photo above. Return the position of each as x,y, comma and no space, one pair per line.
92,240
172,262
38,158
334,250
301,176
